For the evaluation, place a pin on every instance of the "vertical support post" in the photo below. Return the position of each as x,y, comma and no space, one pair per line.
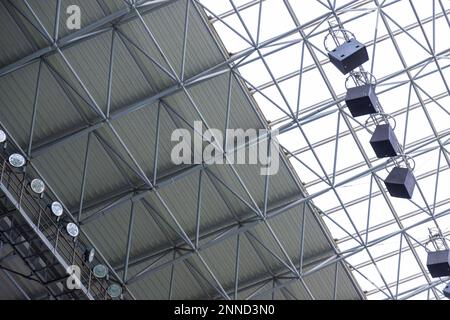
110,73
155,162
199,208
130,233
336,277
35,103
398,267
266,178
83,181
302,240
227,117
56,23
172,275
183,53
236,266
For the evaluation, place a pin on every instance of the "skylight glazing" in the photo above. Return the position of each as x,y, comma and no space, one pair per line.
277,48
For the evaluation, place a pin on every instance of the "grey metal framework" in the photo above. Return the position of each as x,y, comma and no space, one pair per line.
92,110
388,25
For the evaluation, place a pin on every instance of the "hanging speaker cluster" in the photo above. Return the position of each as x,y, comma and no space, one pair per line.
438,263
447,291
384,142
400,183
361,100
438,258
348,56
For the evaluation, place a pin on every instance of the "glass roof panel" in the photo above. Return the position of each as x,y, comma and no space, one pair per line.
296,87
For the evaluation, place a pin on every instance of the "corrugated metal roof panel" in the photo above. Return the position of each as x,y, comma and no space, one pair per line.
13,43
135,77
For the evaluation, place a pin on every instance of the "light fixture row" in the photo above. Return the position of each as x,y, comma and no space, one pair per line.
100,271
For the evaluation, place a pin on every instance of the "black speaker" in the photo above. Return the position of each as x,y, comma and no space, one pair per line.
446,291
400,183
384,142
438,263
348,56
361,100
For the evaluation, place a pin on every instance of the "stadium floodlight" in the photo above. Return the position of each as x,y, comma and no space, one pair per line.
114,290
37,185
2,136
72,229
57,208
16,160
100,271
89,255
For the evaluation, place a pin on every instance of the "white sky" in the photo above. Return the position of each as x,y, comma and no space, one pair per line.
275,20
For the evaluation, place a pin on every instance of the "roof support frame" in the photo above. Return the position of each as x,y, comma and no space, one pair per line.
261,215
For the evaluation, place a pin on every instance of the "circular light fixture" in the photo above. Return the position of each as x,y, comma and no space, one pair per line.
57,208
114,290
100,271
2,136
16,160
89,255
72,229
37,185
